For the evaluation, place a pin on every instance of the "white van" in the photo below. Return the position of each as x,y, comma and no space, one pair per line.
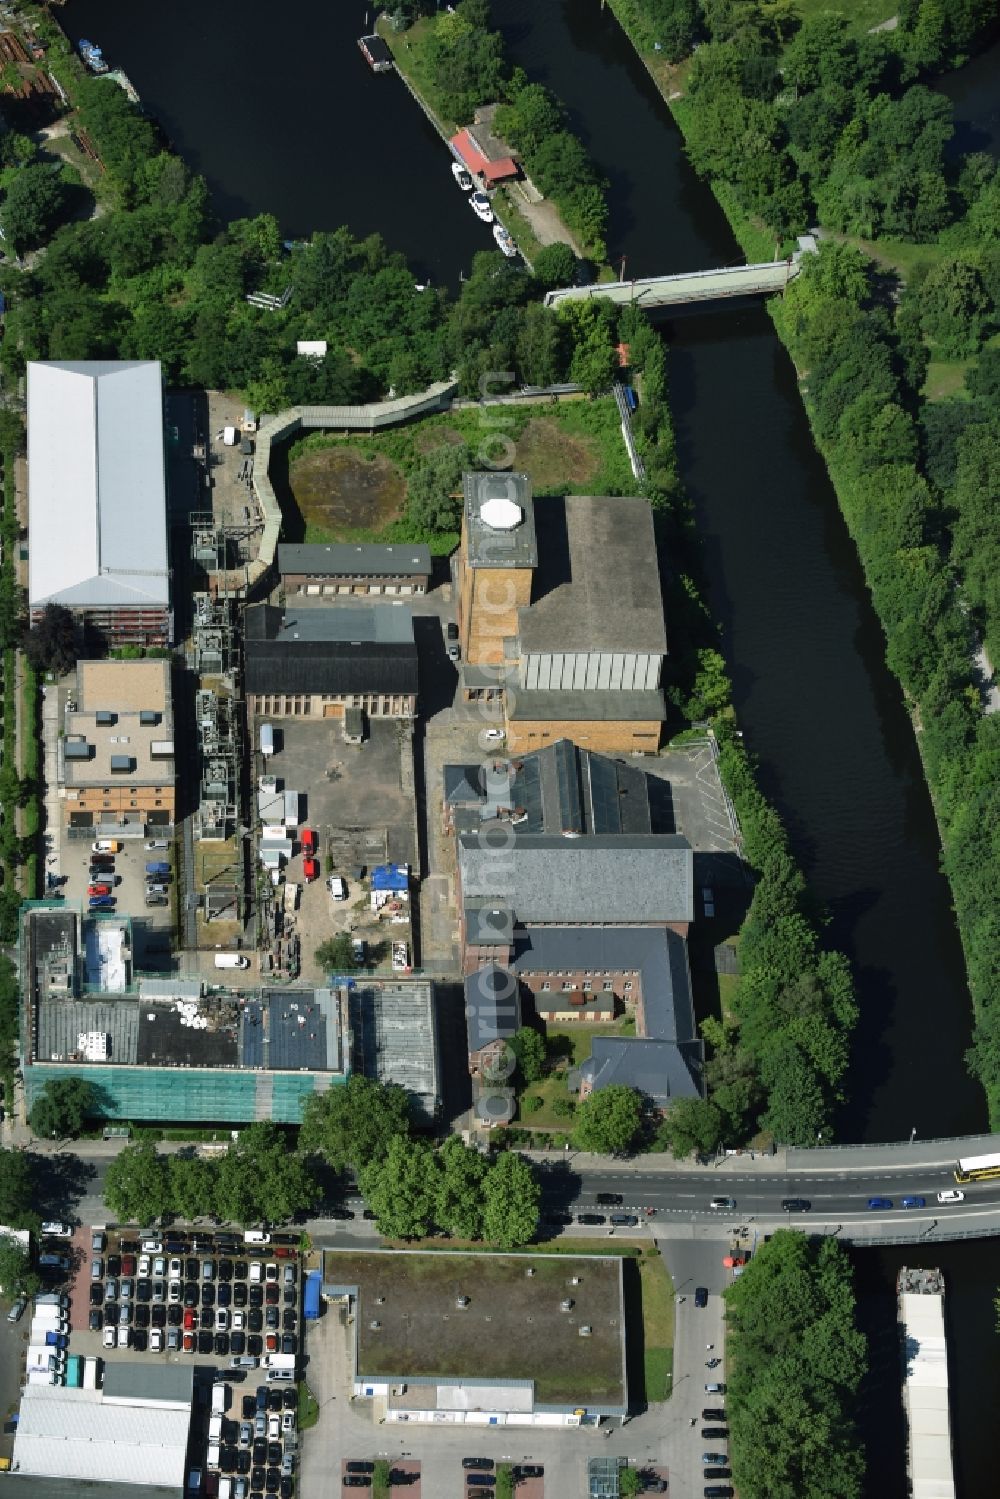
267,740
279,1360
219,1400
278,1376
256,1236
215,1428
231,960
212,1460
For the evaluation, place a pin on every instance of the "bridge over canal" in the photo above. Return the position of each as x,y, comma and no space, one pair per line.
687,288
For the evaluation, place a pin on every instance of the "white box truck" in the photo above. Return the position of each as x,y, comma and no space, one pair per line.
231,960
267,740
279,1361
291,809
90,1373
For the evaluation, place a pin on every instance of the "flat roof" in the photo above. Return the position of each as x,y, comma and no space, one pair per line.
596,706
512,1332
597,587
78,1433
96,489
394,1036
505,546
377,624
293,1030
347,559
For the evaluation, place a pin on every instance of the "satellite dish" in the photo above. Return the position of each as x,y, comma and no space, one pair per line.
501,515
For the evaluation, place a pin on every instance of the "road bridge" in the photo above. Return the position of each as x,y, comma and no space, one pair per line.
688,287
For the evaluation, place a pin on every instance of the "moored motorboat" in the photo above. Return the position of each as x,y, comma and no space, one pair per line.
462,177
504,240
481,207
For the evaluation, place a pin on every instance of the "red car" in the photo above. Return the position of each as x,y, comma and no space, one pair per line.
310,870
190,1320
98,889
128,1264
308,840
189,1342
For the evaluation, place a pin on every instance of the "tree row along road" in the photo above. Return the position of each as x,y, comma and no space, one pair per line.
681,1198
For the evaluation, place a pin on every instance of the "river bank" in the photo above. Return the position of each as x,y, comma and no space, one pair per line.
752,238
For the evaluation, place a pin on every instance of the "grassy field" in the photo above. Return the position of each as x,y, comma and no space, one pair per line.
861,14
946,379
354,488
512,1328
658,1325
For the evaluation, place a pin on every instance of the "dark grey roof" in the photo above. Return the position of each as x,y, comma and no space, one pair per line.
292,1030
537,706
661,1069
351,559
561,788
488,546
366,651
347,624
394,1038
658,955
598,582
638,880
492,1006
487,924
164,1040
61,1023
127,1379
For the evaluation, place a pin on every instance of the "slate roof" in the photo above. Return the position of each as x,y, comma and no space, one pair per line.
354,559
492,1006
597,587
562,788
657,954
330,651
96,485
660,1069
639,880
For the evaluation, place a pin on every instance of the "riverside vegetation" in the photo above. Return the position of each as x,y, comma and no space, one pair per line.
846,129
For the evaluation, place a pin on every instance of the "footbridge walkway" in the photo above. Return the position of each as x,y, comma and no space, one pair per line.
367,418
689,287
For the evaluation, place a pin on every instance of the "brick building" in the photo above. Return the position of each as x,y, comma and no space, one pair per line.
317,663
97,527
115,763
569,882
560,615
347,568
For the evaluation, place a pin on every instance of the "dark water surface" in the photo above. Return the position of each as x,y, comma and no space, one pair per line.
279,111
281,114
975,95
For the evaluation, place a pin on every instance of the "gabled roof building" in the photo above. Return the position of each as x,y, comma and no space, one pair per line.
317,662
97,523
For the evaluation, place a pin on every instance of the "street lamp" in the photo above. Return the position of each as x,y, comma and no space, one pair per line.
913,1134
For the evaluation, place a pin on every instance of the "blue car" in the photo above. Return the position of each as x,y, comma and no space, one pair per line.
913,1202
875,1203
101,903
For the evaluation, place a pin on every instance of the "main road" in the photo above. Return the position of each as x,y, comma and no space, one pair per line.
837,1183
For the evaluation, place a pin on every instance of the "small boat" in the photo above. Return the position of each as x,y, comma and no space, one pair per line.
504,240
481,207
461,176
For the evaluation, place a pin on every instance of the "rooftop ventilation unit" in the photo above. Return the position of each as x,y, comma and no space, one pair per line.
122,764
148,716
105,718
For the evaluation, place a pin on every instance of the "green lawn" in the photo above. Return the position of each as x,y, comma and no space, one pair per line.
657,1325
946,379
862,14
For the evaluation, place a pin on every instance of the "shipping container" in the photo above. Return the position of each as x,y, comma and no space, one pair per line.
310,1302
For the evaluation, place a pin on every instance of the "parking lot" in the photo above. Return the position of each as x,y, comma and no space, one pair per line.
357,799
124,877
232,1307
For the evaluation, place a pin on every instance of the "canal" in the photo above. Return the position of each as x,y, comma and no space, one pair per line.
309,134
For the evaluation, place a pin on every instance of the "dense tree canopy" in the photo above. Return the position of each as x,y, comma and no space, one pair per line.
795,1362
608,1121
354,1125
62,1107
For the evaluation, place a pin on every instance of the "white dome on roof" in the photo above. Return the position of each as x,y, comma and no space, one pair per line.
501,515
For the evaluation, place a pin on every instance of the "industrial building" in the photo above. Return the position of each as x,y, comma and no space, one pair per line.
115,758
97,523
167,1048
484,1340
127,1439
316,662
394,1037
569,887
560,615
325,570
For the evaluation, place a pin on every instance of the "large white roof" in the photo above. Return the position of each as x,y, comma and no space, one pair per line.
97,527
64,1433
